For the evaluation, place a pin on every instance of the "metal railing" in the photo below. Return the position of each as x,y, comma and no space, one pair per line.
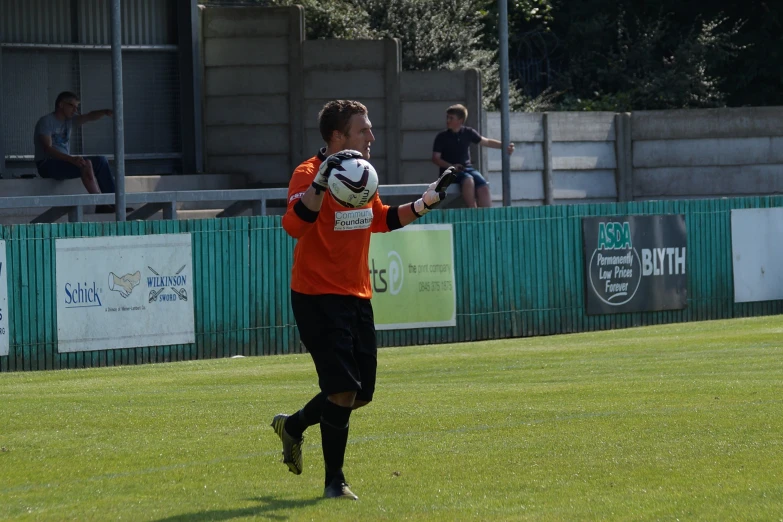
233,202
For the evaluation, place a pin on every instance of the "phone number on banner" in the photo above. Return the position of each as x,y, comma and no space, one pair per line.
435,286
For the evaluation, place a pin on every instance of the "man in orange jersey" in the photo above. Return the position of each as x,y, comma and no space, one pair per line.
330,288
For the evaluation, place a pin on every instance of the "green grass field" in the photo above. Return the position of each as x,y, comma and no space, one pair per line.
679,422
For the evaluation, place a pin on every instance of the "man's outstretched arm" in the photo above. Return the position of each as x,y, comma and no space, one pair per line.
92,116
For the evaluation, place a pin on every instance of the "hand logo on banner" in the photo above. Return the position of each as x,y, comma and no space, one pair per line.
125,284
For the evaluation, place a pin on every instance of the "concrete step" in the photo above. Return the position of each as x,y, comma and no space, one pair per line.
96,218
100,218
48,187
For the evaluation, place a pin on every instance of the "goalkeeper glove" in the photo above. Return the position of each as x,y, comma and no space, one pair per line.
320,183
435,193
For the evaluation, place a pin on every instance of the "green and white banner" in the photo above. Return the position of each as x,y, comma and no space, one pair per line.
412,275
124,292
4,342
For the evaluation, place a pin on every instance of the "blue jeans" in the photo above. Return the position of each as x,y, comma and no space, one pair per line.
60,170
478,179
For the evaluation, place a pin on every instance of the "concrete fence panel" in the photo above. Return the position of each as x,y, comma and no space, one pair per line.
424,98
582,126
748,122
707,153
242,22
252,76
433,86
264,86
708,182
584,157
250,80
246,139
344,55
351,69
224,52
247,110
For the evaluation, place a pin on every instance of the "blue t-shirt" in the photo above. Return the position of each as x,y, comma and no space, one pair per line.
454,147
60,132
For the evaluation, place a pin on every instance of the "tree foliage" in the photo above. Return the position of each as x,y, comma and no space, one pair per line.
631,54
589,54
433,34
645,65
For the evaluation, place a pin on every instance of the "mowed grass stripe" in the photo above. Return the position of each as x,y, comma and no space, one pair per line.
677,421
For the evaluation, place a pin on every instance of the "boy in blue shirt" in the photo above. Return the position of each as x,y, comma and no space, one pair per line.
452,149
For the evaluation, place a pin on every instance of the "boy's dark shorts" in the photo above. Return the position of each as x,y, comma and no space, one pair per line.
339,333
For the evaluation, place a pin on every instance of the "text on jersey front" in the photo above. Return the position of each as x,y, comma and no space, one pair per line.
353,219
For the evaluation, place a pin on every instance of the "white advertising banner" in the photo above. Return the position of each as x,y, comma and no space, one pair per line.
124,292
756,252
4,343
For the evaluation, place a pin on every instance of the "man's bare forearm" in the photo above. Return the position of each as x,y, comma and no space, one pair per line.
51,152
95,115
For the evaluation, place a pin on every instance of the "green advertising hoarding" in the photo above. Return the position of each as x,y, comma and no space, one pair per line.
412,275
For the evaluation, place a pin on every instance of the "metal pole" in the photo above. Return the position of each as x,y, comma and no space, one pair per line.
2,152
549,183
504,110
119,118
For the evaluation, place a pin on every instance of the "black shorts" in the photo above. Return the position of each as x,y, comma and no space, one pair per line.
339,333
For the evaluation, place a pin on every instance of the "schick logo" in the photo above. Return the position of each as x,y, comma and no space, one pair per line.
614,236
81,296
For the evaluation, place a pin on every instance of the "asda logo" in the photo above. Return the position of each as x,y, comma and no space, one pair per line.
614,236
615,268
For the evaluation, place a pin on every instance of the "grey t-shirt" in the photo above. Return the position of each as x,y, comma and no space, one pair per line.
60,131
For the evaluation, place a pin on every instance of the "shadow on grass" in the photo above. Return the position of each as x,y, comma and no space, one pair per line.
267,508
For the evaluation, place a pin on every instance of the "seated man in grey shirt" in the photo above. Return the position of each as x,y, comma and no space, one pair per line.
53,149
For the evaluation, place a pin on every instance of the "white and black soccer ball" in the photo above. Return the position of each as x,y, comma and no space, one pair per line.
353,183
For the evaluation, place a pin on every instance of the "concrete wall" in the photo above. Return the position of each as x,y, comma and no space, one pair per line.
352,69
641,156
707,153
252,91
583,157
424,97
264,87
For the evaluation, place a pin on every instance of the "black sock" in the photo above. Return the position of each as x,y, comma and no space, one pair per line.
334,438
306,417
311,413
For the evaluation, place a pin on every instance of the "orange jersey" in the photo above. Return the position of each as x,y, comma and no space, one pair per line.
331,254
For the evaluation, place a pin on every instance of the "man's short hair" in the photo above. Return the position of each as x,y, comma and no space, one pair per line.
458,110
336,116
64,96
